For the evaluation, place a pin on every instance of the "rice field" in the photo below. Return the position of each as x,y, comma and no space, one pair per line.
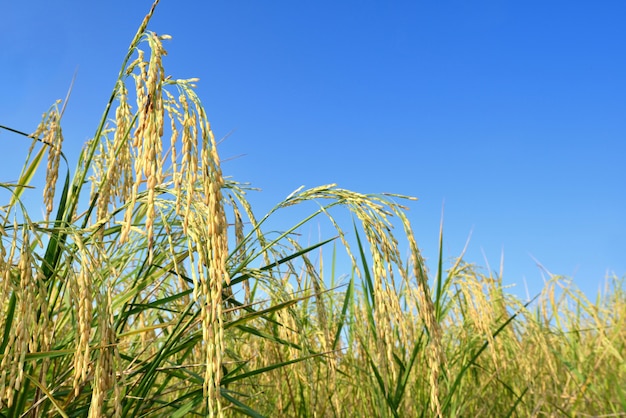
152,288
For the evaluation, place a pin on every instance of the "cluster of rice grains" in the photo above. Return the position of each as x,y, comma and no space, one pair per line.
20,278
196,182
399,309
27,330
130,174
135,184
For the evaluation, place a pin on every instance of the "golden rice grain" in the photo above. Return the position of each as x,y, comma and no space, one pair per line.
54,139
81,286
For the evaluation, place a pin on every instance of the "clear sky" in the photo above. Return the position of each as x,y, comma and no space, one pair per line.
512,113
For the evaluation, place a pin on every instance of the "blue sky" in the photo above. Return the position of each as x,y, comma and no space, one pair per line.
512,113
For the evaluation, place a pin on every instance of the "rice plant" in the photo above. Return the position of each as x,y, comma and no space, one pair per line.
151,288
